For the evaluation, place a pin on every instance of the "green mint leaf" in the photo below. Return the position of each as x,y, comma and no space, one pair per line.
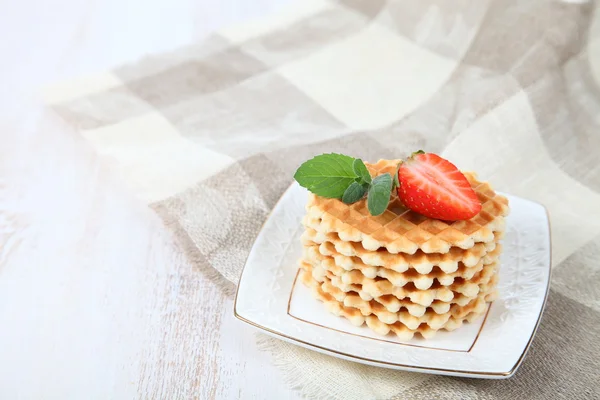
354,193
361,170
379,194
327,175
362,183
396,182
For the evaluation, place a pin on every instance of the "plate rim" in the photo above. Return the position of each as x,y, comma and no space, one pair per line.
363,360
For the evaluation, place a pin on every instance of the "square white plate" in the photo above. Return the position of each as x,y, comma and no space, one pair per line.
270,298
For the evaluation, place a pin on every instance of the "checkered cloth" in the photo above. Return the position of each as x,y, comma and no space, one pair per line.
210,136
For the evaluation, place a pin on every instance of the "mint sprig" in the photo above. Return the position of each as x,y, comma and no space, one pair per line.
360,169
343,177
354,193
327,175
379,194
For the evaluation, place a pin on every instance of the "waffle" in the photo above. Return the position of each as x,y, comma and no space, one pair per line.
405,333
353,294
405,325
331,245
400,230
369,289
331,304
355,270
390,309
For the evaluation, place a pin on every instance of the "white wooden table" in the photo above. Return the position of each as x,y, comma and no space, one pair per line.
92,291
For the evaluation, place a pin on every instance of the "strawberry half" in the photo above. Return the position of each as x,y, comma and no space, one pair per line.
434,187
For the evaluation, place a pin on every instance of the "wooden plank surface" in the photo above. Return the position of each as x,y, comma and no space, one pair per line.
95,300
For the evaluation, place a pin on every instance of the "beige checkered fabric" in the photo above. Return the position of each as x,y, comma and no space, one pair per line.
210,136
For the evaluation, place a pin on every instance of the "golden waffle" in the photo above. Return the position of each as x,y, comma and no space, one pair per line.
351,297
331,304
408,313
355,270
368,289
426,325
400,230
331,245
404,333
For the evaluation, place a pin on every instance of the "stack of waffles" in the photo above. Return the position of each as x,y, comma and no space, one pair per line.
402,272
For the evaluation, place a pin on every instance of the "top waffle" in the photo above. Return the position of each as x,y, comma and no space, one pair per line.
400,230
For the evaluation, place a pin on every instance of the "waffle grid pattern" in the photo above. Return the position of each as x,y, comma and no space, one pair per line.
400,230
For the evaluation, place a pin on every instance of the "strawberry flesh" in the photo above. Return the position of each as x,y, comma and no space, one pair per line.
434,187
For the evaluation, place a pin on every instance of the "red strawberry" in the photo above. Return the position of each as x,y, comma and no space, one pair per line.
434,187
